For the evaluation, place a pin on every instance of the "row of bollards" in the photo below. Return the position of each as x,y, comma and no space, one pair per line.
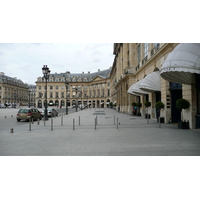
11,116
95,122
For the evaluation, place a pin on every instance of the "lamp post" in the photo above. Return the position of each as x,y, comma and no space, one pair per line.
29,92
46,72
66,85
76,89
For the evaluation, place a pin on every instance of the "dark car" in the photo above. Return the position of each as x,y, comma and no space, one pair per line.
28,113
51,112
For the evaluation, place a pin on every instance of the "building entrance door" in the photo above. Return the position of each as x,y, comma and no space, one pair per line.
176,93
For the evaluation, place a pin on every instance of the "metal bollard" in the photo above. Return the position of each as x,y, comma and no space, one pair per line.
29,124
44,121
73,124
79,120
114,119
32,120
95,123
159,123
5,116
117,123
38,122
11,116
51,123
61,120
147,118
11,130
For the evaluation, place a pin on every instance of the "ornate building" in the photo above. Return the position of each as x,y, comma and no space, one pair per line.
155,72
92,89
132,64
12,90
31,94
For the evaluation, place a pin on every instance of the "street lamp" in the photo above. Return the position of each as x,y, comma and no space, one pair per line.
46,72
66,85
76,89
29,92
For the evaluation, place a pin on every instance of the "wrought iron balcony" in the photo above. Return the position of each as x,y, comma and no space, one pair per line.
155,49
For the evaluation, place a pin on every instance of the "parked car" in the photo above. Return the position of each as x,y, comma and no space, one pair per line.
2,106
28,113
51,112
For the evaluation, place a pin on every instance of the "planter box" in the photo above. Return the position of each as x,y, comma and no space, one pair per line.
162,120
183,125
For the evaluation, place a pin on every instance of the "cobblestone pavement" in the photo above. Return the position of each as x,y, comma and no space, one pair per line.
115,134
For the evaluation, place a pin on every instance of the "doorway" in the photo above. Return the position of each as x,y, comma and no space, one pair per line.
176,93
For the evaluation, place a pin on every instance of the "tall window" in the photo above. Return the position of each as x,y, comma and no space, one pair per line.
146,49
139,53
108,93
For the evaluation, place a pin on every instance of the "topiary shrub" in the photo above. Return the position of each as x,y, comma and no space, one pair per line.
159,105
182,104
139,105
147,104
133,104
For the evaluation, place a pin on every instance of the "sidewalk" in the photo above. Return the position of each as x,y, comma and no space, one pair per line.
132,137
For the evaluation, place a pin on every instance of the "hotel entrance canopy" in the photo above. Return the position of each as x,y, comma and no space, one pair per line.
134,89
151,83
182,63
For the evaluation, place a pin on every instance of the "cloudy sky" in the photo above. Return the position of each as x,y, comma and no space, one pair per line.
25,60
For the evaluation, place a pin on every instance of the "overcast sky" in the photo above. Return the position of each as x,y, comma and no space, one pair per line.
25,60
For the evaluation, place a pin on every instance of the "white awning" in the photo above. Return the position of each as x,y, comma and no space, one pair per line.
151,82
182,63
134,89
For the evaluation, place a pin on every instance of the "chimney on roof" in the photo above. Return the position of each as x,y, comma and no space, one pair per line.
82,72
88,72
98,70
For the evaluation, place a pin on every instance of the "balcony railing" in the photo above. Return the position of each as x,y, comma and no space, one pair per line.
144,60
155,49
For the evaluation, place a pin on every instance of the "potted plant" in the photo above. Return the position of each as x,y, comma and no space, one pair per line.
147,104
159,105
133,104
139,105
183,104
111,105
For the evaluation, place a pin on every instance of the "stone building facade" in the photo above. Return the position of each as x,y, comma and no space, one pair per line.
13,91
133,62
88,89
155,72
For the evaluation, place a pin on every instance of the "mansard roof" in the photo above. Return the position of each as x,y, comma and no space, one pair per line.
11,80
80,77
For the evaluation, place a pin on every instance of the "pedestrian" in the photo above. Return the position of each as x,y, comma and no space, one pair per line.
119,108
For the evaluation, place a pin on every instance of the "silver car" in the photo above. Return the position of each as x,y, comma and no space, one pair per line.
51,112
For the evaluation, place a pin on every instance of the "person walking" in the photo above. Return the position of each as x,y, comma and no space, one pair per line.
119,108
